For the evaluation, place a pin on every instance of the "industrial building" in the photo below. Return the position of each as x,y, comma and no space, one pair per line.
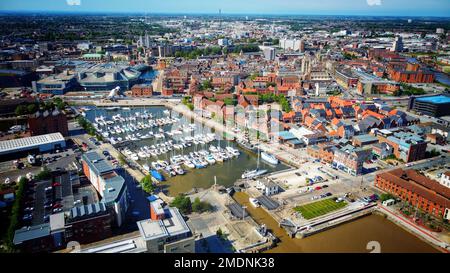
33,144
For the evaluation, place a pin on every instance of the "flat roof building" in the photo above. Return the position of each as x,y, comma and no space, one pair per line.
435,106
111,186
168,235
41,143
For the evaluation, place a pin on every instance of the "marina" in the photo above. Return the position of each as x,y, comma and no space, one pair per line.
178,152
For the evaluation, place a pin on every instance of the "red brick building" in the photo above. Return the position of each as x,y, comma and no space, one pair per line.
412,73
322,151
418,190
48,122
142,90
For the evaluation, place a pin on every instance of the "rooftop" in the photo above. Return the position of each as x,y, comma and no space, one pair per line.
97,162
29,142
29,233
440,99
171,226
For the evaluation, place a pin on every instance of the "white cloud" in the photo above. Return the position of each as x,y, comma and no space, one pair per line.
73,2
374,2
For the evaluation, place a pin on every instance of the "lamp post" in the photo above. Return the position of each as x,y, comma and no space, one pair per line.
243,212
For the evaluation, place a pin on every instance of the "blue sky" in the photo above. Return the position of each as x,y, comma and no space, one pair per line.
306,7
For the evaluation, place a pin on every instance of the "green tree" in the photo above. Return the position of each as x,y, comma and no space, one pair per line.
147,184
386,196
14,223
32,108
21,110
44,174
183,203
201,206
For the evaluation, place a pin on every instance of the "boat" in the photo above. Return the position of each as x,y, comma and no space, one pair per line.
253,173
210,159
189,164
247,146
113,108
254,202
155,174
269,158
179,170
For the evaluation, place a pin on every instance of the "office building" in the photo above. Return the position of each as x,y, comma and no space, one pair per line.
108,183
435,106
166,231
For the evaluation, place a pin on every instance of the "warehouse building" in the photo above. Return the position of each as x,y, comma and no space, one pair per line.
31,145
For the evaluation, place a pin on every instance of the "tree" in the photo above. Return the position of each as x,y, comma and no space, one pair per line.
15,214
121,159
32,108
44,174
147,184
183,203
386,196
21,110
206,84
201,206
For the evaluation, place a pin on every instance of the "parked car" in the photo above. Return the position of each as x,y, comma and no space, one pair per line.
29,209
57,210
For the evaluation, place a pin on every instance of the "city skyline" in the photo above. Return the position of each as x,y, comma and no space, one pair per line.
435,8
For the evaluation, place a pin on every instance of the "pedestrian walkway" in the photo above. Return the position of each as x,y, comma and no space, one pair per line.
423,233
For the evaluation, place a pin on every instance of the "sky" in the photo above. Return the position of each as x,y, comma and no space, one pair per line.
290,7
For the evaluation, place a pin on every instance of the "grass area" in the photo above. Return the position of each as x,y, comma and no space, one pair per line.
318,208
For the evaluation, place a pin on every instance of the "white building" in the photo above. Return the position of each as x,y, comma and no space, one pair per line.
41,143
291,44
269,53
445,179
223,42
267,187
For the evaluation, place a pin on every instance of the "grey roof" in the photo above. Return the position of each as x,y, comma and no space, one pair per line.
30,233
113,189
79,212
171,226
97,163
29,142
